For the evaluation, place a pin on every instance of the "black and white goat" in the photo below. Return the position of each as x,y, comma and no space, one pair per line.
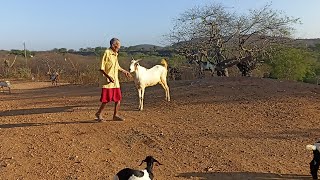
314,164
132,174
54,78
207,66
5,84
204,66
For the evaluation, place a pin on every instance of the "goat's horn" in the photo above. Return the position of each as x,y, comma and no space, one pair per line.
141,162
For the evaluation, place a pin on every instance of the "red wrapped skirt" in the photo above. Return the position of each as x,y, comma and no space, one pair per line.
110,94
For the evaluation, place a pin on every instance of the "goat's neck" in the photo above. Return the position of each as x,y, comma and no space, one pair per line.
149,169
316,155
140,71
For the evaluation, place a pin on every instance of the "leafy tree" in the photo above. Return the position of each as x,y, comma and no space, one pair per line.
89,49
123,54
71,51
139,55
21,53
98,51
62,50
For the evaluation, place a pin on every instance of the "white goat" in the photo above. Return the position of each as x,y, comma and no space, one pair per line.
149,77
5,84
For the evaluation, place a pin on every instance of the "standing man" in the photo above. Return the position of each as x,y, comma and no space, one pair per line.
109,80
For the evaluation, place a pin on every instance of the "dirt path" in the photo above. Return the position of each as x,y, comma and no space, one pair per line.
220,128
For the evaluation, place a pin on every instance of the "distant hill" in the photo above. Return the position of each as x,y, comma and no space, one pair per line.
150,47
308,42
144,47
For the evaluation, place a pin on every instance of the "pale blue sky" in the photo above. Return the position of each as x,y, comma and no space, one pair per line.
73,24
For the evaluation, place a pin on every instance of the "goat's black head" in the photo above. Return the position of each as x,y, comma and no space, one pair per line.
150,160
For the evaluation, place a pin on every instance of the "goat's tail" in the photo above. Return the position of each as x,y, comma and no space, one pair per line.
311,147
164,63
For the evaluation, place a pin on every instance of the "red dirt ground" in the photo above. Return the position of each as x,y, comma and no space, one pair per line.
213,129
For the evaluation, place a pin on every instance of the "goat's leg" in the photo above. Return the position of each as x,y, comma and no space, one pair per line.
226,73
202,74
166,89
314,167
142,97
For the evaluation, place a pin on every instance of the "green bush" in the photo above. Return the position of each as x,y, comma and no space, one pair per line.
176,60
292,64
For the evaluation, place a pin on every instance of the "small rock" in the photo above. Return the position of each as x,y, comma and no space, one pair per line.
208,169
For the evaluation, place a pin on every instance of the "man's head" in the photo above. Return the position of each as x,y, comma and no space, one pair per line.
115,44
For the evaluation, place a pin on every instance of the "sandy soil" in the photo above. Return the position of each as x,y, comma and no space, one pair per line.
217,128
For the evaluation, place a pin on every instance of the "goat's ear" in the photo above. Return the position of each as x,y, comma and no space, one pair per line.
136,66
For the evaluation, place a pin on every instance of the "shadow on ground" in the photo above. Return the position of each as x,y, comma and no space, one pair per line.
8,126
241,176
18,112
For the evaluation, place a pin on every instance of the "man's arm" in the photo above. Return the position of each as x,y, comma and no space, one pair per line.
107,76
124,71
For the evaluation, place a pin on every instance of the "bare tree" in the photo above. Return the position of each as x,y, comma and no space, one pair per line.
228,38
8,65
